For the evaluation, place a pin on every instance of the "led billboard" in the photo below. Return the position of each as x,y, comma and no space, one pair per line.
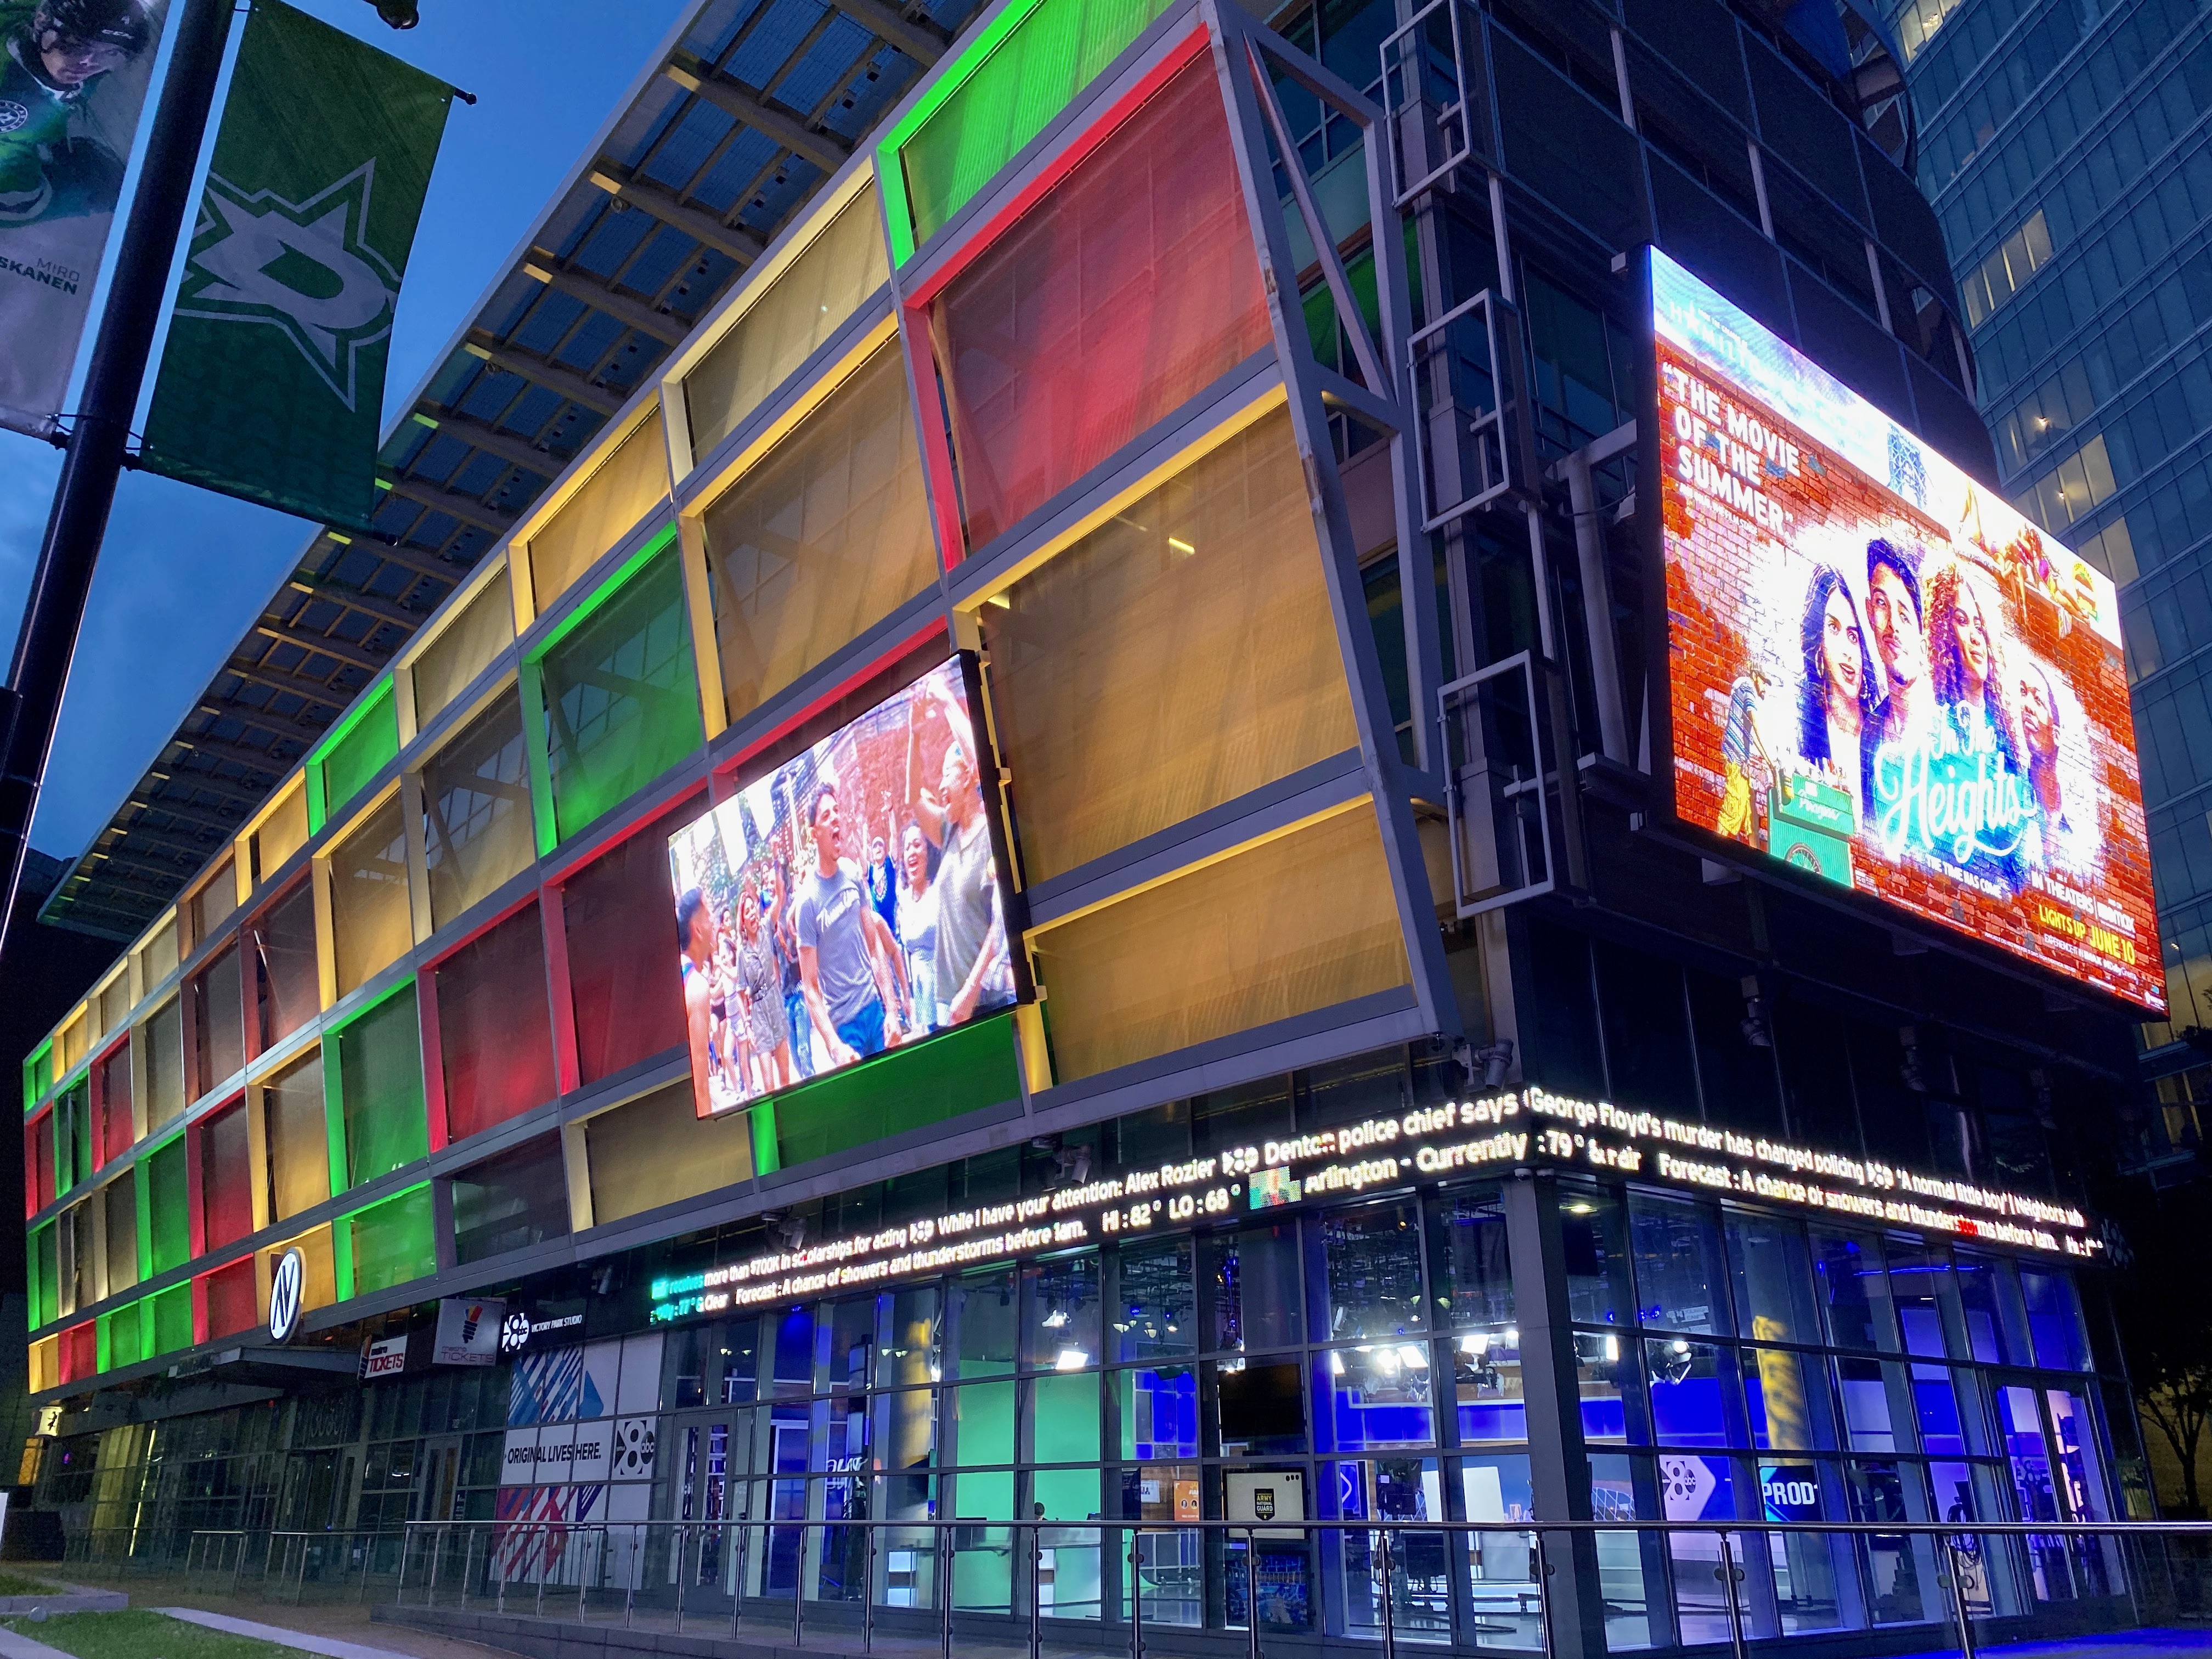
1881,673
848,903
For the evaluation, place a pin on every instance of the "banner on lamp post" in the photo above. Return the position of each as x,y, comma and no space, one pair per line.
73,76
271,385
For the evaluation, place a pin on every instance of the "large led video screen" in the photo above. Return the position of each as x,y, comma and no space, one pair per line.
1880,671
849,902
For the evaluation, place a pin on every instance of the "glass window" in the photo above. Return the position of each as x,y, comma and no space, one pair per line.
1948,1409
210,906
1253,1288
1786,1397
1262,1407
1182,654
1130,288
299,1137
495,1030
288,985
1604,1372
1159,1411
620,491
1693,1394
226,1180
984,1324
621,702
2054,1320
371,920
823,537
1877,1405
219,1022
1467,1253
476,811
1064,1422
1062,1294
1379,1395
113,1090
1988,1299
1592,1232
1486,1383
380,1069
465,648
1927,1301
1848,1269
910,1350
1156,1313
1679,1282
983,1424
121,1210
1374,1257
1773,1277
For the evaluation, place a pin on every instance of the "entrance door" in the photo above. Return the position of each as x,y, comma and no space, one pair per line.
709,1460
2051,1446
437,1478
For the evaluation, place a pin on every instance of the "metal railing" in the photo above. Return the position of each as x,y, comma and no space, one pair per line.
1512,1584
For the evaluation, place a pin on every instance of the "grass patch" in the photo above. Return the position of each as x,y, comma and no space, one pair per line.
142,1633
11,1584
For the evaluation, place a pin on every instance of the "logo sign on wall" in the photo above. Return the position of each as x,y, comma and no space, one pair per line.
287,1289
386,1356
468,1331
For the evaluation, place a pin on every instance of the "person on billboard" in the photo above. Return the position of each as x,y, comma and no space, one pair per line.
841,938
760,983
698,936
796,1015
883,870
55,54
971,964
2059,835
1976,734
1835,700
917,922
1746,768
1900,641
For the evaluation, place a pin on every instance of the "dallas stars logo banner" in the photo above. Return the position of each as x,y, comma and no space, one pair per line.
271,385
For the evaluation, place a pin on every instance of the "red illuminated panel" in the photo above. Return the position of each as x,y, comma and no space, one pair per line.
112,1101
624,982
282,939
39,1162
231,1305
225,1177
1129,288
494,1029
80,1349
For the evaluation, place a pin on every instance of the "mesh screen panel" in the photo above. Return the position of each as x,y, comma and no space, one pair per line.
827,535
619,493
370,922
1226,947
494,1029
656,1151
809,300
1125,291
626,986
463,650
283,835
225,1179
361,753
281,942
510,1202
115,1130
1028,78
1181,654
621,700
392,1243
121,1204
219,1017
231,1302
164,1037
126,1336
299,1137
379,1066
170,1206
957,1071
476,810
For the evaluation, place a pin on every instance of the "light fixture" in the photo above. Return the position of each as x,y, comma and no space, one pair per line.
1181,546
1071,1359
1612,1347
1055,1319
1580,1206
1335,1363
1414,1356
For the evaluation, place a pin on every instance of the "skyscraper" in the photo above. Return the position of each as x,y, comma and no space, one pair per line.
2065,149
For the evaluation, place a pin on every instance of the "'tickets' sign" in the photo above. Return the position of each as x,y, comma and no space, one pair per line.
468,1331
1880,671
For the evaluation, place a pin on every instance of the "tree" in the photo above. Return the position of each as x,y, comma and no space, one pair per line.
2165,1312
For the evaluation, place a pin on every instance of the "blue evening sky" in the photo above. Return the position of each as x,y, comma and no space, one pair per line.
184,572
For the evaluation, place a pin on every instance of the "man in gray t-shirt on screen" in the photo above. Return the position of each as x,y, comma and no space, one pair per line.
842,943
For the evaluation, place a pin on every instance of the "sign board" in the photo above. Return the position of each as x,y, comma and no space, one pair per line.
468,1331
386,1356
1257,1496
287,1282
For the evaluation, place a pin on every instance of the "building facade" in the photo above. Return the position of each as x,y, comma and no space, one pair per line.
1346,1071
2062,146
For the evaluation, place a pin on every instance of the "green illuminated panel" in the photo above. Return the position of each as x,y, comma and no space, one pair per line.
373,1080
123,1337
1013,79
616,691
391,1242
163,1173
173,1319
46,1277
38,1075
362,746
966,1068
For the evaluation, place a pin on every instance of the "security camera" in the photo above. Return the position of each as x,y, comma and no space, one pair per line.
1490,1062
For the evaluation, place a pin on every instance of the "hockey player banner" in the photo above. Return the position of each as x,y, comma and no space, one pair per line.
271,385
73,76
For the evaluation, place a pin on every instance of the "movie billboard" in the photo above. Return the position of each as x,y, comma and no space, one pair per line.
73,78
849,902
1879,673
